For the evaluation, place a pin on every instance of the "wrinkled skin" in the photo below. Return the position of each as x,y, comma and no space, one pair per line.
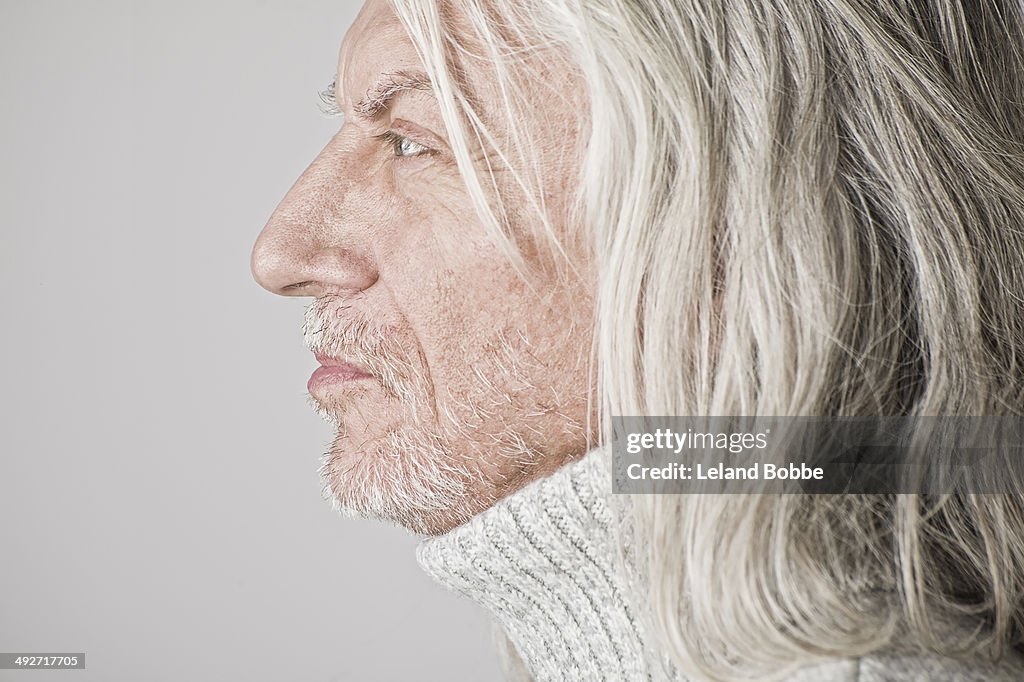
475,377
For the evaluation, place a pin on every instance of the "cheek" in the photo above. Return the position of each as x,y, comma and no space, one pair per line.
446,278
500,353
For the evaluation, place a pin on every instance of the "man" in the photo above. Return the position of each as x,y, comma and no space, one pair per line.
537,215
453,379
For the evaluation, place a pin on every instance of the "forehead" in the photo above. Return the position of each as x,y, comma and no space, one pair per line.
375,43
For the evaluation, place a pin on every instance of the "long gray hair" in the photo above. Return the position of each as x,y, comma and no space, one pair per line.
797,207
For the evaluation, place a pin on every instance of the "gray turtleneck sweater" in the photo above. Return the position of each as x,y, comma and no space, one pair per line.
542,561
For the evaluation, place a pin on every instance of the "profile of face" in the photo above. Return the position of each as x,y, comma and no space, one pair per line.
452,379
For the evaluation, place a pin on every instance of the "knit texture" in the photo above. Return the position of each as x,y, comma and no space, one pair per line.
543,562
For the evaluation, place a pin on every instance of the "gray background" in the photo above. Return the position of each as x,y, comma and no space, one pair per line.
159,504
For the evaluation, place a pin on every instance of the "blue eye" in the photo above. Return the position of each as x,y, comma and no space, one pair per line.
402,146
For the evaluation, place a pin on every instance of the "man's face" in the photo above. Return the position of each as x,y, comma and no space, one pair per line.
452,380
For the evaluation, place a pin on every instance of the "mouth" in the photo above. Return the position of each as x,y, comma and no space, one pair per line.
334,371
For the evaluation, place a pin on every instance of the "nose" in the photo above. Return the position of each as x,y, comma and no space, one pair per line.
309,247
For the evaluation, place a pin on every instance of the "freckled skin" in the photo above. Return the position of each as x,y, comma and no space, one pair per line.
397,243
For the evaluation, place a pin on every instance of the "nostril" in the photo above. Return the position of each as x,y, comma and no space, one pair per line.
280,265
288,261
297,287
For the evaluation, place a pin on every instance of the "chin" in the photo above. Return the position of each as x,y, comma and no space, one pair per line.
407,479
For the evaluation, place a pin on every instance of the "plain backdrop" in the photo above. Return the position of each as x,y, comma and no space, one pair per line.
159,503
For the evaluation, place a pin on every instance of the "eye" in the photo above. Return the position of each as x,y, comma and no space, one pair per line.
402,146
329,101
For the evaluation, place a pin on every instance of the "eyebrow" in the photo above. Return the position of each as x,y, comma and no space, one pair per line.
387,87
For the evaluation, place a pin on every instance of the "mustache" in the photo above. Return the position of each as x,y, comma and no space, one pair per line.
335,328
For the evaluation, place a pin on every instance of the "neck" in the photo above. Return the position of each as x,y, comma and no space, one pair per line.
542,561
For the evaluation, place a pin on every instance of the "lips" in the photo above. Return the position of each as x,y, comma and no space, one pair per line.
333,371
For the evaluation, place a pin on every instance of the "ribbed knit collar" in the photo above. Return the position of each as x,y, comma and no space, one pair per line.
542,561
